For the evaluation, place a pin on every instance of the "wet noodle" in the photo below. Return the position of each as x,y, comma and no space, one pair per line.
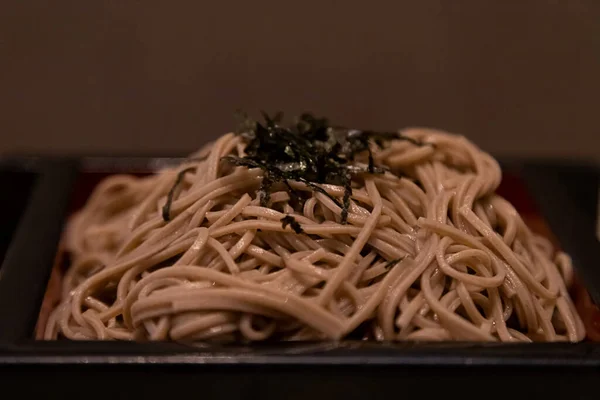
420,250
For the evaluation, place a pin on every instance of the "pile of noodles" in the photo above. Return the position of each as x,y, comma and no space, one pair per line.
429,252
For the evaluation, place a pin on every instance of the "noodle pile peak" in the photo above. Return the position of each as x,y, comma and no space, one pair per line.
311,231
310,151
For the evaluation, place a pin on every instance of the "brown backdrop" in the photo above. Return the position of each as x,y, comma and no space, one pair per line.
518,77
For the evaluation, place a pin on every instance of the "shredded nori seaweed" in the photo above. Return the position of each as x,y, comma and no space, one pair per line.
310,150
166,210
291,221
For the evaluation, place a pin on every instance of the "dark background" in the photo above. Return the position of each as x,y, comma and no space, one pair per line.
162,77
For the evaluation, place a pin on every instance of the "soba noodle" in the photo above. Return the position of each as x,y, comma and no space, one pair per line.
429,252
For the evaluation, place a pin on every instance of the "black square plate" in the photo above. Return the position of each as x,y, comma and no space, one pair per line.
43,191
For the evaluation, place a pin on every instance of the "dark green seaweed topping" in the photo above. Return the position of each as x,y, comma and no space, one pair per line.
310,150
166,210
291,221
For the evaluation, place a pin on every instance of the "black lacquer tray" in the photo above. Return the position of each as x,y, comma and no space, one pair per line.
38,194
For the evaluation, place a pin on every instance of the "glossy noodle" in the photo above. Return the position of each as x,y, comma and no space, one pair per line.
429,252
